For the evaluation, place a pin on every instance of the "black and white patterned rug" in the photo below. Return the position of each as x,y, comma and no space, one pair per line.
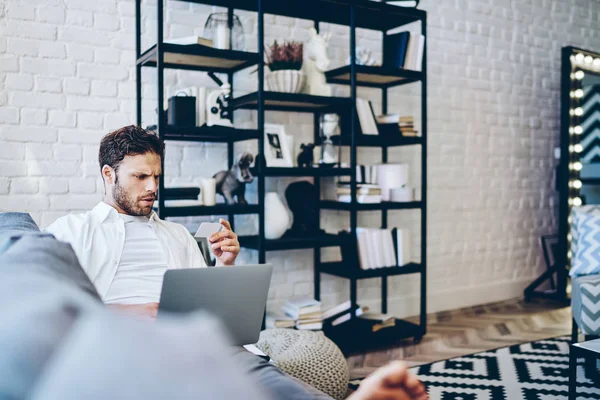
529,371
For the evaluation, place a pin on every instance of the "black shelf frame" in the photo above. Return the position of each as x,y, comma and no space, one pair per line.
374,76
367,14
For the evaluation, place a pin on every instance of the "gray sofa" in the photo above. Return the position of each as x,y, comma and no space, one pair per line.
58,341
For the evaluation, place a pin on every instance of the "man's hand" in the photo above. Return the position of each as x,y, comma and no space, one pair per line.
394,381
224,244
145,310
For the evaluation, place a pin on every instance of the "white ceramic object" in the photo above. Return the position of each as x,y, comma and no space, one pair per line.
286,81
391,176
277,219
403,194
208,192
315,63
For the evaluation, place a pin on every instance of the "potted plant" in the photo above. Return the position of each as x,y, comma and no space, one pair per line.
285,64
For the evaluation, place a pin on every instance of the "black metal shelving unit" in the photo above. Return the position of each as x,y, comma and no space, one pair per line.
355,334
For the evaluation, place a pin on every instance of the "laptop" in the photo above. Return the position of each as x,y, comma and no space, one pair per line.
237,295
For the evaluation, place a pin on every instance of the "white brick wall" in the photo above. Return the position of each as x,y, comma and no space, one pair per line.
67,77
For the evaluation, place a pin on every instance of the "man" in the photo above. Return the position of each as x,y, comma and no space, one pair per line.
121,244
125,249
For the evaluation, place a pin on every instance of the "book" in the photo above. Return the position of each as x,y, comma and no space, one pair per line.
361,198
346,317
378,317
366,117
313,326
279,320
330,312
302,307
394,49
414,54
403,246
404,3
191,40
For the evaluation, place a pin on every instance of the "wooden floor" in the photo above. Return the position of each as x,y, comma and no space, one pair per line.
466,331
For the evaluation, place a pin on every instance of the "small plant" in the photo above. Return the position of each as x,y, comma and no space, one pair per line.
284,56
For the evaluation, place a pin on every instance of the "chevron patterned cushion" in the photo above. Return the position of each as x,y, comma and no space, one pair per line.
585,303
585,240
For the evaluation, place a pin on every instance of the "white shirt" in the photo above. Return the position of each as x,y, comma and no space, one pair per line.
142,267
98,238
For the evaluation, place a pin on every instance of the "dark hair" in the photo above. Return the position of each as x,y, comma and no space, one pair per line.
128,141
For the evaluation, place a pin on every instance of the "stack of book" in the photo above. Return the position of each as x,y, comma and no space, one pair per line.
376,247
365,193
306,313
382,321
407,126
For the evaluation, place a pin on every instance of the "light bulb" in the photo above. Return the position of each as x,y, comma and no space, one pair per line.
588,59
570,148
579,57
597,62
571,112
579,111
569,219
577,184
570,165
579,93
579,75
570,201
570,184
569,254
568,236
577,201
578,148
578,130
577,166
571,130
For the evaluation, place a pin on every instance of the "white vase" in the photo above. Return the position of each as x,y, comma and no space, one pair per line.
277,219
285,80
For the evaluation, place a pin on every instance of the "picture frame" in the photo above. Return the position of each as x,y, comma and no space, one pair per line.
277,151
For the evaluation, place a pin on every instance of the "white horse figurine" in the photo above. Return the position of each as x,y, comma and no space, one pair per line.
315,64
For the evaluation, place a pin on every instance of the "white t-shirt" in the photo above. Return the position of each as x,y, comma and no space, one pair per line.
143,263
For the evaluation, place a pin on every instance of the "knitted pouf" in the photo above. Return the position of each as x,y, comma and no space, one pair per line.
308,356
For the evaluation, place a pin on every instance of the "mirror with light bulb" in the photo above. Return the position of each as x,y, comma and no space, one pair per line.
579,169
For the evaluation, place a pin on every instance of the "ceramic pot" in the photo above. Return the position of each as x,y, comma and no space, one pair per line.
285,80
277,219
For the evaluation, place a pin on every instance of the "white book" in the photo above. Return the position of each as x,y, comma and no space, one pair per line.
378,250
411,51
403,243
313,327
346,317
388,245
373,248
336,309
403,3
418,66
368,126
279,320
362,243
361,198
191,40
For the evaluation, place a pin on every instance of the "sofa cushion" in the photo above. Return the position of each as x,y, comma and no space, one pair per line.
27,250
585,236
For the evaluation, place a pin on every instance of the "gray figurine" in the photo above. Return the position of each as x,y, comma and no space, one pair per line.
233,182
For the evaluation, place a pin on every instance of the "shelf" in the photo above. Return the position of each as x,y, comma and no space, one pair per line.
310,172
277,101
219,209
384,205
342,270
369,14
199,58
379,140
293,243
215,133
374,76
356,335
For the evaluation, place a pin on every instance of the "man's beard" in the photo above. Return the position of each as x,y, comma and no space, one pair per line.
125,204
